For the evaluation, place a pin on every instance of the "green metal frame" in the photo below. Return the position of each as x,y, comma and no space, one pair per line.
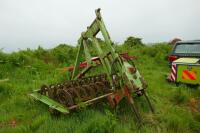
52,103
111,63
93,29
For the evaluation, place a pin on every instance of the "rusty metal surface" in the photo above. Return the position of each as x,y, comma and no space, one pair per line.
72,92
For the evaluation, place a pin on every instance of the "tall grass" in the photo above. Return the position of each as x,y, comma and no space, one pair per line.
29,69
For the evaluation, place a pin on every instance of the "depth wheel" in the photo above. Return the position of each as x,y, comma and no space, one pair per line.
64,97
44,90
52,91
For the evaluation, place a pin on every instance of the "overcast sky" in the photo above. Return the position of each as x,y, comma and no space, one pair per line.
29,23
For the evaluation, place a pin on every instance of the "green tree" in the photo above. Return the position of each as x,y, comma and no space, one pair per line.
133,41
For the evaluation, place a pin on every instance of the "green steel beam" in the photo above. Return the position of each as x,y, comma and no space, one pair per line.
78,58
52,104
96,27
87,53
83,71
113,63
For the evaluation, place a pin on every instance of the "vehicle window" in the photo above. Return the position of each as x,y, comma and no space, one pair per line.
188,48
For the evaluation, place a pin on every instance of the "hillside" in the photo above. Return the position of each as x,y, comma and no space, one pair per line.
29,69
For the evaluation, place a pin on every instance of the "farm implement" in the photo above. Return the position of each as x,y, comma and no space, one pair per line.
117,76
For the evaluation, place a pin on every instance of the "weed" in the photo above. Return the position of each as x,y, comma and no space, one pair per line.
29,69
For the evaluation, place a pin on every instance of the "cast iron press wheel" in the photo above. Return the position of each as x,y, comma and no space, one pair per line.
75,94
51,92
100,87
82,92
44,89
90,91
64,97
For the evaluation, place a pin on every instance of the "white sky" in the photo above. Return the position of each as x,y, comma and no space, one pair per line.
29,23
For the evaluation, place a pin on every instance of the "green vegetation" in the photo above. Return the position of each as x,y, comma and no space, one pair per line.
29,69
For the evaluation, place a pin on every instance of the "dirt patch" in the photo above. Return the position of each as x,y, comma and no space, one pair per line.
194,105
11,123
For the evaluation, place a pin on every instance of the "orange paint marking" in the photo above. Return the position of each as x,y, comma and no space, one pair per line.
189,75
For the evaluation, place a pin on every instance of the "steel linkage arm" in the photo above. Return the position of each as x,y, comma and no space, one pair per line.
91,32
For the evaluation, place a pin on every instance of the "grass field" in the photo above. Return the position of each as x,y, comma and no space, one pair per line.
177,108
